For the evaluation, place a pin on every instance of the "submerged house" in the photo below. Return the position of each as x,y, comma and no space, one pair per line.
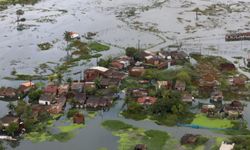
8,119
140,147
78,118
189,139
8,93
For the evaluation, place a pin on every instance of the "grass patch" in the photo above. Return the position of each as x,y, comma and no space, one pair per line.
131,136
98,47
70,128
116,125
204,121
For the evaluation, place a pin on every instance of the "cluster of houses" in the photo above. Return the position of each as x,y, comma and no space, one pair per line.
209,84
158,60
237,36
192,139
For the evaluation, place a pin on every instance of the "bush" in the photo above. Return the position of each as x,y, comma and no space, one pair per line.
72,112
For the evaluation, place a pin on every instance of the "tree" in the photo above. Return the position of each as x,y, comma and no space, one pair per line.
11,106
21,108
133,52
34,96
105,62
59,77
196,10
12,128
19,12
98,83
67,37
183,76
72,112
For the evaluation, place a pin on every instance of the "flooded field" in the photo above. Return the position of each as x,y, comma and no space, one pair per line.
152,24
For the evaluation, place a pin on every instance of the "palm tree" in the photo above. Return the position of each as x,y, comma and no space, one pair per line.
59,78
196,12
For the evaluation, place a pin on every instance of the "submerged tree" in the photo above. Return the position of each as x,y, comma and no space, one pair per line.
19,13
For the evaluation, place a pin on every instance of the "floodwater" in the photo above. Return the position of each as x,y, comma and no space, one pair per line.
155,25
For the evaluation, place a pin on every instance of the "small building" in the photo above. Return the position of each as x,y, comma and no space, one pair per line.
207,83
143,81
57,107
147,100
98,102
140,147
235,107
216,96
47,99
80,99
207,108
78,86
239,81
73,35
114,74
8,119
122,62
94,72
226,146
137,71
226,67
187,98
140,92
25,87
189,139
109,82
78,118
63,89
180,85
51,89
164,84
89,85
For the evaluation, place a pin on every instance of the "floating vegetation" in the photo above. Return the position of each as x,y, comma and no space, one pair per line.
131,136
45,46
26,77
70,128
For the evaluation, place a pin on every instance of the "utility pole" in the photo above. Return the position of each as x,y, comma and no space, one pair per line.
138,46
